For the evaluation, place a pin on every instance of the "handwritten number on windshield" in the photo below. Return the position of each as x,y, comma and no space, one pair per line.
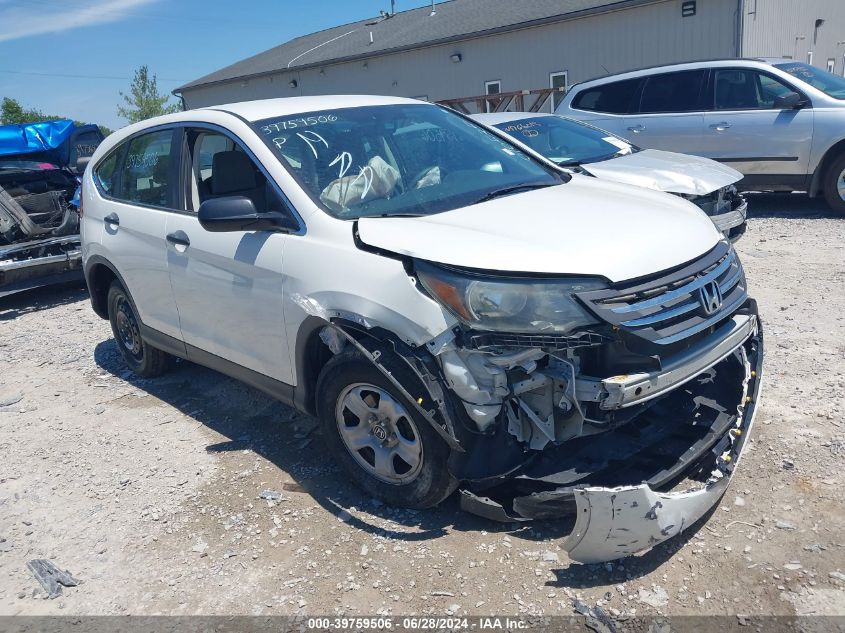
313,139
345,160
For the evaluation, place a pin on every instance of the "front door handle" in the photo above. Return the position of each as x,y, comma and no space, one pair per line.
112,219
720,127
636,129
179,238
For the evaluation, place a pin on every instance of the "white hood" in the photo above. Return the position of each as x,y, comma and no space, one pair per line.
666,171
584,227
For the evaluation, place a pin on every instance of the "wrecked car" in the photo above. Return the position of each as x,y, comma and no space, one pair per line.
39,224
458,313
577,146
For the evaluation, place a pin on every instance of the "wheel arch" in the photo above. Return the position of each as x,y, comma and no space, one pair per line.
832,153
386,351
99,275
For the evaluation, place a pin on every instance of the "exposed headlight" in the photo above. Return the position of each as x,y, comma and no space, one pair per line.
509,304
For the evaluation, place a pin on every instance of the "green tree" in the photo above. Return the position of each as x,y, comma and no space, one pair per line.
144,100
12,112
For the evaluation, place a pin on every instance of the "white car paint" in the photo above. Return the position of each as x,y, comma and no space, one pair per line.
653,169
667,171
244,296
533,229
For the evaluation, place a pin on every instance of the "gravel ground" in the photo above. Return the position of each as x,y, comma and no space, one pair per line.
149,491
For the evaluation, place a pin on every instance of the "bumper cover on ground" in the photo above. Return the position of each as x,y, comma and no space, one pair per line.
614,521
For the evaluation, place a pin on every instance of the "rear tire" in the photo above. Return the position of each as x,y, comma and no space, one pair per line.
834,185
387,448
140,356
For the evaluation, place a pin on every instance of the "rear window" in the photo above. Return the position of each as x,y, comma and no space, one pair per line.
613,98
672,92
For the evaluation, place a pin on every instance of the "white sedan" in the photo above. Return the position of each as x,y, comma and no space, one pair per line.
576,146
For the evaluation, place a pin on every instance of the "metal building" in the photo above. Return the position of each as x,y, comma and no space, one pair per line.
462,48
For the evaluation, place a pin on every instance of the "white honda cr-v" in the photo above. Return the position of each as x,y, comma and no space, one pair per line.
457,312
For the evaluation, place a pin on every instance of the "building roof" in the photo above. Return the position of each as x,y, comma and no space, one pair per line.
453,20
294,106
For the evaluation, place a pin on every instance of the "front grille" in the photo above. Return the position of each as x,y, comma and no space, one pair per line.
671,307
481,340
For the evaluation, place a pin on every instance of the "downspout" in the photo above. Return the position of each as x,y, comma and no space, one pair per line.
740,26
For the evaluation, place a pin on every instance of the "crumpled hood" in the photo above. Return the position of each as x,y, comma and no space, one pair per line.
584,227
666,171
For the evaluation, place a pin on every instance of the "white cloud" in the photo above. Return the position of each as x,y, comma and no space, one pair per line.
18,22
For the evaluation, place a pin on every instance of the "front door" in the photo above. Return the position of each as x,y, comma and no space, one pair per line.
228,286
745,130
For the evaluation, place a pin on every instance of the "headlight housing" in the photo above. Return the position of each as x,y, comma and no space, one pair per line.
509,304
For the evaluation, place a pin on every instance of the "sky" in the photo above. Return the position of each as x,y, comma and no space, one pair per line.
73,57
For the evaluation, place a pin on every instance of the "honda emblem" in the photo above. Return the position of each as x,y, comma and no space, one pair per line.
710,298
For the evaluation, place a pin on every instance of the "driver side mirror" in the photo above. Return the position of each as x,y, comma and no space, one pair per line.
238,213
789,101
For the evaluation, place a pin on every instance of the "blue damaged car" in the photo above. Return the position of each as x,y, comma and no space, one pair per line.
39,222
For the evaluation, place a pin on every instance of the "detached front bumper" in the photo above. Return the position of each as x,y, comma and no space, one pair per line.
644,482
733,223
43,262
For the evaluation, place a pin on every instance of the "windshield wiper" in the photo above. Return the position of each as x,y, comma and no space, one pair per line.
504,191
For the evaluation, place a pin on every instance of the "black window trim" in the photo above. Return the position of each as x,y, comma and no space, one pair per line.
185,170
123,147
636,94
177,166
700,104
710,96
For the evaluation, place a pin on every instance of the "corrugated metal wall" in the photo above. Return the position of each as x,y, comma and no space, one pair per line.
775,28
587,47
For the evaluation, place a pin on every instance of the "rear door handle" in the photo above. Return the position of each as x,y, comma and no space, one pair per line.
720,127
112,219
636,129
179,238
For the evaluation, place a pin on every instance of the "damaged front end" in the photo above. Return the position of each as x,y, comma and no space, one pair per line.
39,221
727,208
632,425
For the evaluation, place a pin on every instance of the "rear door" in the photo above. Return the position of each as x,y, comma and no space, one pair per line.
669,114
744,129
228,286
137,184
604,105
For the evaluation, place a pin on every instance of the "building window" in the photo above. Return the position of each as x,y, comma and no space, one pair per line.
831,65
492,88
558,80
810,58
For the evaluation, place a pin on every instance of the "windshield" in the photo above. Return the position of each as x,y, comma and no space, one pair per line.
398,160
828,83
565,141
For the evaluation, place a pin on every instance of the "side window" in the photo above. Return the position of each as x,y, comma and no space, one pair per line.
740,89
672,92
613,98
146,169
221,168
105,174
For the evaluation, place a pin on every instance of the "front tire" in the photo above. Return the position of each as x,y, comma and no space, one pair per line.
140,356
379,439
834,185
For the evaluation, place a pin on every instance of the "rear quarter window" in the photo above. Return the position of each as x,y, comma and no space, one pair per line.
617,97
105,174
